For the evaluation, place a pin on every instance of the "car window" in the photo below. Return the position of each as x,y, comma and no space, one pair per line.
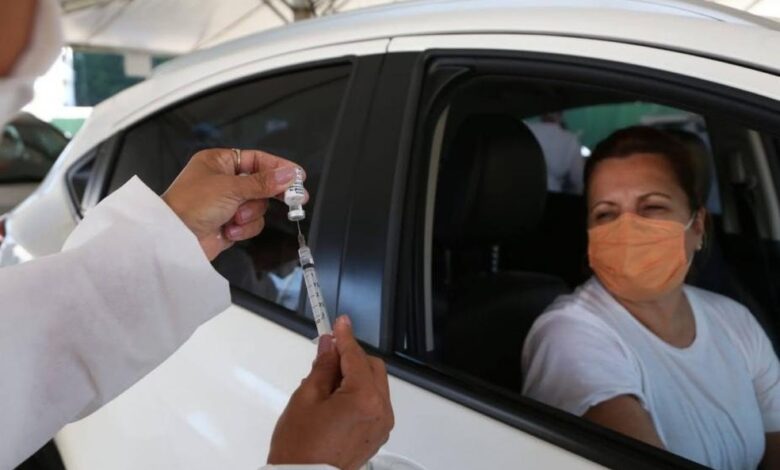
515,239
291,115
502,226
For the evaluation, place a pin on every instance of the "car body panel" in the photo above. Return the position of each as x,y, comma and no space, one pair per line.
213,404
735,76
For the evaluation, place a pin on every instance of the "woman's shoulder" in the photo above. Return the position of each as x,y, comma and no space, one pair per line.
731,315
588,301
575,313
713,303
572,329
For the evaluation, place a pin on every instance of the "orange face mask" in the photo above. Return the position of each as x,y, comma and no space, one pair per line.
639,259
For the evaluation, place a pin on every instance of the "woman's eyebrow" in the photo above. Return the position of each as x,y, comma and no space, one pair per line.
655,193
599,203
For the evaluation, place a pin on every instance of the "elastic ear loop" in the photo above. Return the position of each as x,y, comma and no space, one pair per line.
688,226
690,222
704,235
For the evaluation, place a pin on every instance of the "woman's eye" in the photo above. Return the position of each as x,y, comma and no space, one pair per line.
654,209
603,216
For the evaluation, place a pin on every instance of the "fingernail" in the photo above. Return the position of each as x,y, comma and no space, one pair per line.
284,175
233,232
244,214
345,320
324,345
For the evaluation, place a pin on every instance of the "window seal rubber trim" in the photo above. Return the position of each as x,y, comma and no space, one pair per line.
76,204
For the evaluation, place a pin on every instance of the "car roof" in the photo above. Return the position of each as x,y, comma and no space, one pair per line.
564,17
681,25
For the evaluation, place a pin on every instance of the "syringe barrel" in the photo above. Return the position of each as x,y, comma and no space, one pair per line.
304,255
317,302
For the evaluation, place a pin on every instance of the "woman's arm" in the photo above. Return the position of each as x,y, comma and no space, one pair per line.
625,415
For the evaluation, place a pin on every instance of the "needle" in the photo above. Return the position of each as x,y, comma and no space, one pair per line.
301,239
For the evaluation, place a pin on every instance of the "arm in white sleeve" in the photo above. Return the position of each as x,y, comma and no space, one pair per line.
79,327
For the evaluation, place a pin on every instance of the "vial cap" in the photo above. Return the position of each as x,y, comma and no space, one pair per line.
296,214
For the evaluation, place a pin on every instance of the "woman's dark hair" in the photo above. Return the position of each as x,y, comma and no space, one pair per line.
643,139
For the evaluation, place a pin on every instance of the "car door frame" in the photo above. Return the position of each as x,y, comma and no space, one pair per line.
328,217
379,226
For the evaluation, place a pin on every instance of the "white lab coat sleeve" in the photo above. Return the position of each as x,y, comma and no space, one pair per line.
79,327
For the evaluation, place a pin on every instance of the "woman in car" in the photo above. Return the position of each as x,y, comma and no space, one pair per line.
634,348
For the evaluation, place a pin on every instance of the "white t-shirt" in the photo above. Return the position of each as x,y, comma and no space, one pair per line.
711,402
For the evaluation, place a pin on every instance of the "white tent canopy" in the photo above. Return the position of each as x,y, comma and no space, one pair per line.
768,8
172,27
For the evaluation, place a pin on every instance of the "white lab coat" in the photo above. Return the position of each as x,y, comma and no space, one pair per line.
77,328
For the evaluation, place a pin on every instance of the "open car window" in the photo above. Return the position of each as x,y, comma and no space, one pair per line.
500,217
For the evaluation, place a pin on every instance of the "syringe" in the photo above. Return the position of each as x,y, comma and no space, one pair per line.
316,300
294,198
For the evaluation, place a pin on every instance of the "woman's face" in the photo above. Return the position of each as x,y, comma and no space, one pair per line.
644,184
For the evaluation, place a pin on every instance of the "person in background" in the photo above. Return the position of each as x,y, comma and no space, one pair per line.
637,350
562,153
76,330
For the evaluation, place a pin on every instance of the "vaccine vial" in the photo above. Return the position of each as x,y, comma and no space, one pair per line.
294,197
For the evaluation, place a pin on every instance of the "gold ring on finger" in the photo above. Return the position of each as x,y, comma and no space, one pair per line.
237,159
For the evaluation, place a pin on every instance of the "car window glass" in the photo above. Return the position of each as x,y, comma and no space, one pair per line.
291,115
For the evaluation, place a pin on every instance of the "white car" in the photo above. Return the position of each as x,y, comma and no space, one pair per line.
430,219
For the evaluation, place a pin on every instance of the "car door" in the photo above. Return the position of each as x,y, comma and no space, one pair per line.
214,403
448,416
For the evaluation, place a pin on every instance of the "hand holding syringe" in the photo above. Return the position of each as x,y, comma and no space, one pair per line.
294,197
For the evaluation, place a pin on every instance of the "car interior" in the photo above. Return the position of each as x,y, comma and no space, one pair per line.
504,247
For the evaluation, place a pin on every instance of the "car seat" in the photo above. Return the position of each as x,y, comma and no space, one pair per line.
491,191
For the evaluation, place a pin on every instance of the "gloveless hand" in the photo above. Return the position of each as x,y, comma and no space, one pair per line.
221,206
341,414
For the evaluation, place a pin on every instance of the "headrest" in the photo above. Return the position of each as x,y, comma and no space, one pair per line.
492,182
701,161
